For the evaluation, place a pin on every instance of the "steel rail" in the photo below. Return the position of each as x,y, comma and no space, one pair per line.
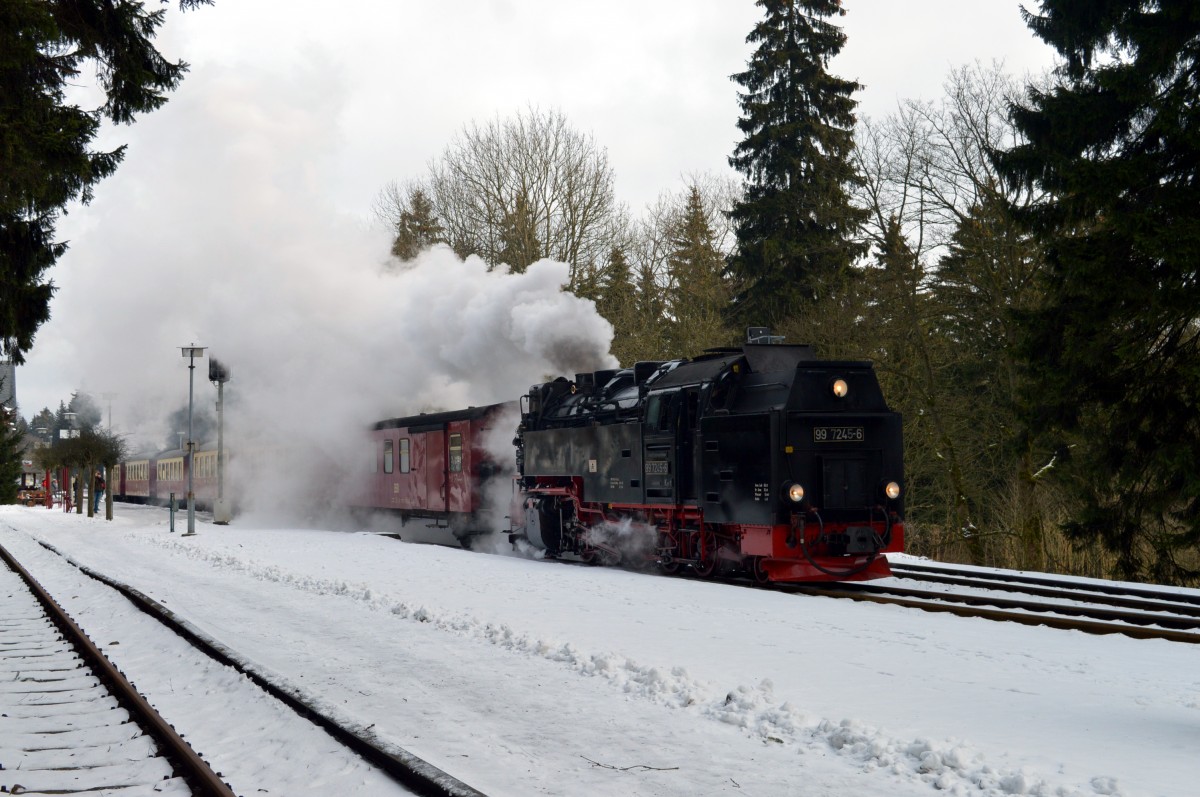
199,776
1049,581
1023,618
413,772
1095,612
1083,593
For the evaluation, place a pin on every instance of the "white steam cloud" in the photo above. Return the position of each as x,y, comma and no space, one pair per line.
443,334
225,237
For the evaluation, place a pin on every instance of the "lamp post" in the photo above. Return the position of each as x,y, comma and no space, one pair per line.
71,430
191,353
108,397
66,434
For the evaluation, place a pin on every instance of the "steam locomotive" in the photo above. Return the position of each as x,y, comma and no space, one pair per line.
761,461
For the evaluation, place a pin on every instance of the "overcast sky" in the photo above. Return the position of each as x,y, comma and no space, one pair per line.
262,168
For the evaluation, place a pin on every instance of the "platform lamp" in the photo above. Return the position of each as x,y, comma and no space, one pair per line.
67,433
218,374
191,353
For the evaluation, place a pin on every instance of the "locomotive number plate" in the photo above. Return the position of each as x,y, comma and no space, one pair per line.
657,468
838,434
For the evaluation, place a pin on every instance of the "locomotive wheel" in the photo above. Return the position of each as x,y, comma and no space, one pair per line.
667,543
706,565
757,573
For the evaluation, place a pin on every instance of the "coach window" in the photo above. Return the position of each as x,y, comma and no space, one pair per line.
404,455
388,457
456,453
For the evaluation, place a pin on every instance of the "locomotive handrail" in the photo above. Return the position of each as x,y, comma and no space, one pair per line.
887,535
760,385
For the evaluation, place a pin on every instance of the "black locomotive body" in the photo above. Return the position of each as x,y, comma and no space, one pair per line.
763,460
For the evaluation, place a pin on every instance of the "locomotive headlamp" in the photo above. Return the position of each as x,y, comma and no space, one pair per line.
840,388
892,490
795,493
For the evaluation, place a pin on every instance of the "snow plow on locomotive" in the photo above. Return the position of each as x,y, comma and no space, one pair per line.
761,460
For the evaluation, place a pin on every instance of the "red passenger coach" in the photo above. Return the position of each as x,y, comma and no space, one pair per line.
150,479
139,481
430,468
171,476
204,479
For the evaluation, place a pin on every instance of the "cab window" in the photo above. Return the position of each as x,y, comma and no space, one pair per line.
661,411
388,457
653,410
404,455
456,456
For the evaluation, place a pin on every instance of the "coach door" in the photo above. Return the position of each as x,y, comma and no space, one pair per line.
458,466
435,470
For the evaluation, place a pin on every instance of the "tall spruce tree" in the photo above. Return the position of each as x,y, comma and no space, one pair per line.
519,245
699,292
1115,349
417,226
11,453
795,226
46,160
617,302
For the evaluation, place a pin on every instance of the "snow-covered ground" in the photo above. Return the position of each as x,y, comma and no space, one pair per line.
527,677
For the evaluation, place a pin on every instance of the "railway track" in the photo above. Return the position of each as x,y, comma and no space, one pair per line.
1121,595
1048,601
1060,603
408,773
77,724
1034,600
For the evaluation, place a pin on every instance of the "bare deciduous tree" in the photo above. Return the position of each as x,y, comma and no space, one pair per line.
536,169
